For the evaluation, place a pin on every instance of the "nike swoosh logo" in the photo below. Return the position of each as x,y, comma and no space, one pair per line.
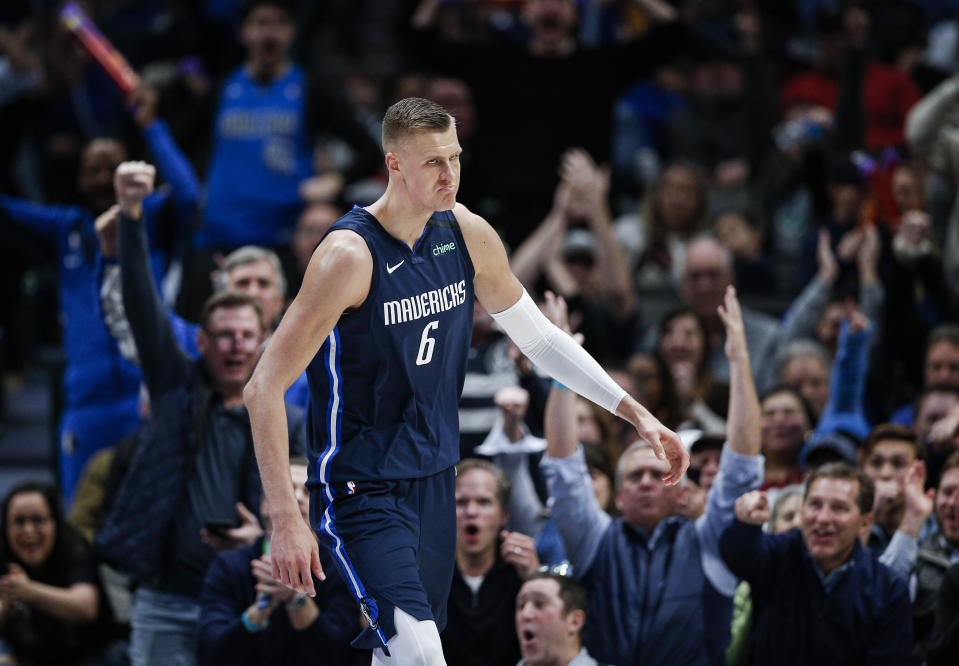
390,269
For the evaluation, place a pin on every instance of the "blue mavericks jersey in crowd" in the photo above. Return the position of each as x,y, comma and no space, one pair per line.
385,386
261,153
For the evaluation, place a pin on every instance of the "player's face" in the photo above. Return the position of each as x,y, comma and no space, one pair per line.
832,521
479,516
642,496
543,627
230,345
259,280
947,505
429,165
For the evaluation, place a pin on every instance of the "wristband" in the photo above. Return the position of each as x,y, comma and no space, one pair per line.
248,623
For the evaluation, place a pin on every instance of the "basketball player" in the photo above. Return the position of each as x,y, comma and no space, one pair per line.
382,325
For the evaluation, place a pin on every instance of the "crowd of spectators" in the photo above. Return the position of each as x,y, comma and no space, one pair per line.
748,211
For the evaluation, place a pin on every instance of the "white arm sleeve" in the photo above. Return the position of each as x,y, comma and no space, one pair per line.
557,354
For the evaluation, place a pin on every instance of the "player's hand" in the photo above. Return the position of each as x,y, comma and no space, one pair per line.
752,508
133,182
266,585
520,551
666,444
106,227
295,553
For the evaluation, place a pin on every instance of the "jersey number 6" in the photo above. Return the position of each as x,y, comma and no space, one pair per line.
427,343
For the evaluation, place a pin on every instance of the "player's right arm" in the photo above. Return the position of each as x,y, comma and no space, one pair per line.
337,278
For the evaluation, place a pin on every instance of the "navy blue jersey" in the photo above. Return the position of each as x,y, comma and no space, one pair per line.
385,385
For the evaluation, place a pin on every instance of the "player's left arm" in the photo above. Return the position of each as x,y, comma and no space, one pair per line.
551,349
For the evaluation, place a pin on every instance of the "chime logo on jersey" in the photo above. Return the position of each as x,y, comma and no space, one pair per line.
422,305
443,248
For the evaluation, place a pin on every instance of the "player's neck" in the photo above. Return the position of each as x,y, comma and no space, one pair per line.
476,564
403,218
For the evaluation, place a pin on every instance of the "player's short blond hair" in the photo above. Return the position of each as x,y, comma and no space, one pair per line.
411,115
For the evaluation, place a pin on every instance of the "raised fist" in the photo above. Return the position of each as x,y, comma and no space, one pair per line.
133,182
752,508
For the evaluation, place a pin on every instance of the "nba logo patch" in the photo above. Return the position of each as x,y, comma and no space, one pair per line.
350,487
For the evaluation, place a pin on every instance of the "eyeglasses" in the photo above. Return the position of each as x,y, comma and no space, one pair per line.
36,521
227,338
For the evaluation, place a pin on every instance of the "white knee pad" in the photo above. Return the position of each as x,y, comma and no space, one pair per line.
416,643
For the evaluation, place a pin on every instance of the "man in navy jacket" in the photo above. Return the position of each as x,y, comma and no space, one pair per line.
818,595
658,591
